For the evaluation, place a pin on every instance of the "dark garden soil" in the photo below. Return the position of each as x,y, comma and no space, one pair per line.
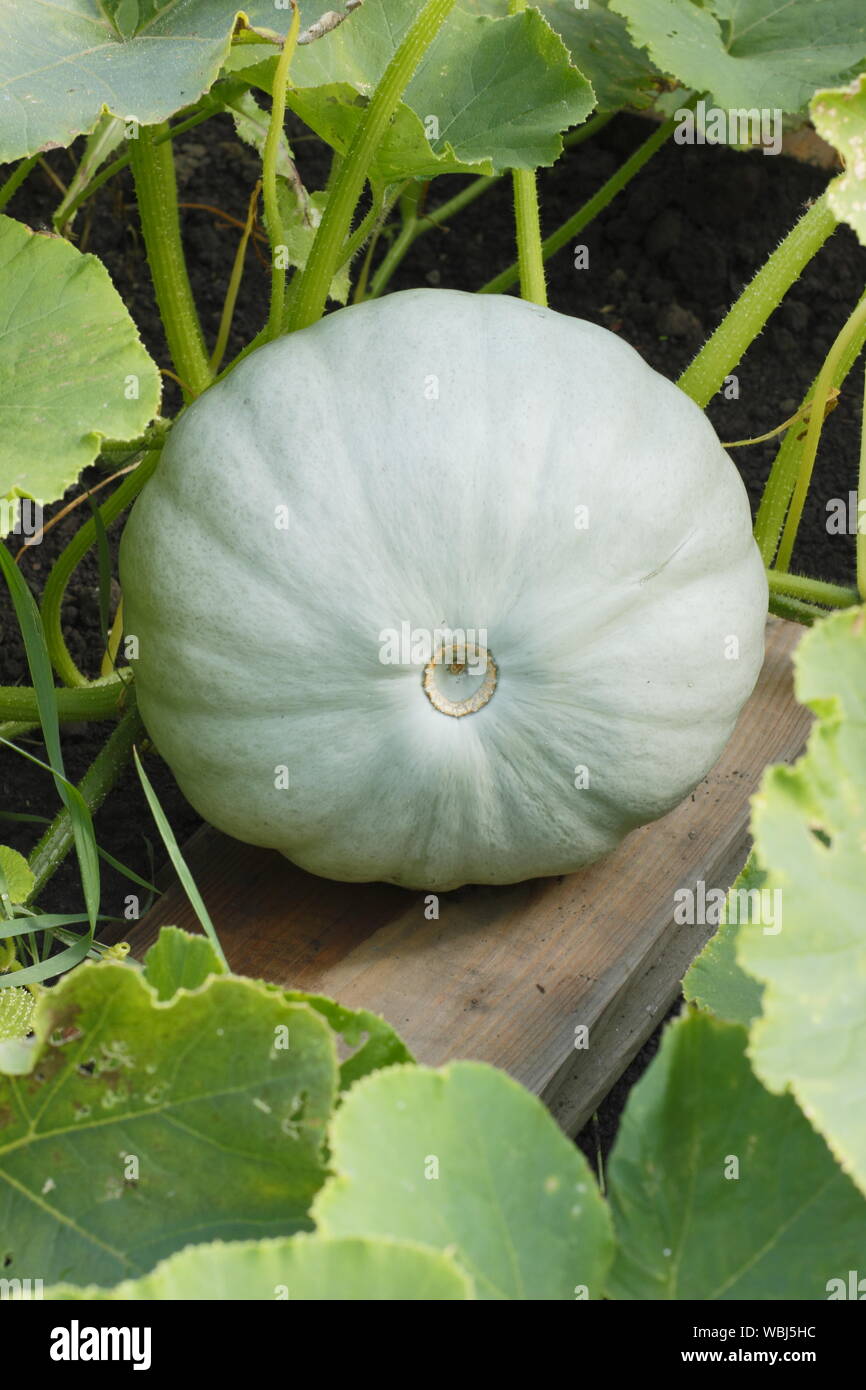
665,261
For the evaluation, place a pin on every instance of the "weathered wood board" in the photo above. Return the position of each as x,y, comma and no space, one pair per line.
507,974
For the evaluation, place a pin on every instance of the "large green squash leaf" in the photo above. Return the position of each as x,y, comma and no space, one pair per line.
303,1268
73,370
809,824
144,1125
488,94
598,41
464,1159
751,53
501,92
721,1190
63,64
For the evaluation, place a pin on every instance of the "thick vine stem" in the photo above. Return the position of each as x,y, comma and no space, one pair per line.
273,221
744,321
592,207
527,222
152,163
795,610
779,486
811,590
530,256
101,699
100,777
849,334
68,560
327,249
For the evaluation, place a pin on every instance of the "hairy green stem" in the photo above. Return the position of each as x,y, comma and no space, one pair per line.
312,293
796,610
273,220
68,560
527,221
152,163
744,321
381,206
812,590
855,325
592,207
16,178
100,777
782,479
98,700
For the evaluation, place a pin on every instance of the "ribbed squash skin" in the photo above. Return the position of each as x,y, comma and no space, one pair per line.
431,449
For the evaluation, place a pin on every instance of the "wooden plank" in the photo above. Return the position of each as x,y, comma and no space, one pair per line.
507,974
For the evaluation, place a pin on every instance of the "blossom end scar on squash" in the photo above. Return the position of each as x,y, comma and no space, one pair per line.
451,670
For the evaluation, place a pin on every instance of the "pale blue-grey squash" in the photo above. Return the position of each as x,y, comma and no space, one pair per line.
439,462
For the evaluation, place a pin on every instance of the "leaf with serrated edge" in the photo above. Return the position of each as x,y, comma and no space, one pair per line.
180,960
809,825
749,54
61,66
500,92
301,1269
223,1112
621,75
73,370
464,1159
839,115
375,1042
18,875
689,1223
715,980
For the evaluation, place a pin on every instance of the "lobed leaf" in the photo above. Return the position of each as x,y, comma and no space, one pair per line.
143,1125
809,825
488,95
751,53
303,1268
465,1160
73,370
720,1190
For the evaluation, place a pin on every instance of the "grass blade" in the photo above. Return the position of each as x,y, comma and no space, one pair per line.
178,861
42,677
